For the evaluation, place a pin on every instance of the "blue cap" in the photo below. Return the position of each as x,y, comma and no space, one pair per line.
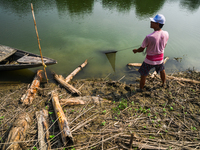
159,18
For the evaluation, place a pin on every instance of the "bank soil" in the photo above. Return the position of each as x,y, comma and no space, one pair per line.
115,115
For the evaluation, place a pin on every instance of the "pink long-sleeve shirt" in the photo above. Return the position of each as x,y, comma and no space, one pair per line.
155,44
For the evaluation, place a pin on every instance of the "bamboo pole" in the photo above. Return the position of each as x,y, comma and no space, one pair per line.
62,120
44,66
183,79
69,77
81,100
140,64
71,102
61,80
135,64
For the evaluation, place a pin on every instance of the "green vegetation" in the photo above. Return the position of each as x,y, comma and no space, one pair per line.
1,118
121,106
51,136
193,128
50,112
103,123
104,111
151,137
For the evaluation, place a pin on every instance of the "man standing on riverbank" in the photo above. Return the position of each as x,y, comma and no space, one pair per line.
155,44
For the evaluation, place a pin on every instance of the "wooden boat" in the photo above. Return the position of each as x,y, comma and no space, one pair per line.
14,59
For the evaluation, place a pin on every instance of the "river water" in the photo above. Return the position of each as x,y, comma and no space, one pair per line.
72,31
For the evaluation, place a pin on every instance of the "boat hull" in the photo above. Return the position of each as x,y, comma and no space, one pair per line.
19,54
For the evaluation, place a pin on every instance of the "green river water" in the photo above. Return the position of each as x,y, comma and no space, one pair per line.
72,31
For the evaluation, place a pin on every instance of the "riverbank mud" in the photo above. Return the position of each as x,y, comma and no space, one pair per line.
157,118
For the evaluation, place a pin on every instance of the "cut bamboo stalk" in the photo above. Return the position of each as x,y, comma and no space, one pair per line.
43,132
70,77
69,87
180,79
62,120
27,98
81,100
140,64
183,79
135,64
71,102
44,66
17,132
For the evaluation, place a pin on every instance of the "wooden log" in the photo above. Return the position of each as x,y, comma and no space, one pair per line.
183,79
17,132
135,64
140,64
27,98
69,87
43,132
71,102
69,77
81,100
62,120
180,79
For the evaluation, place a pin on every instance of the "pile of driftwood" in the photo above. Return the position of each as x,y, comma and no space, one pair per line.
19,128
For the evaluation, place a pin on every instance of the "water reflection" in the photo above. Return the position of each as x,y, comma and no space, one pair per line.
24,75
23,7
143,9
80,7
16,6
121,6
75,7
148,8
191,5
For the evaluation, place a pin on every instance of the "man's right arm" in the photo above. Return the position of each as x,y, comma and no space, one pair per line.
141,49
